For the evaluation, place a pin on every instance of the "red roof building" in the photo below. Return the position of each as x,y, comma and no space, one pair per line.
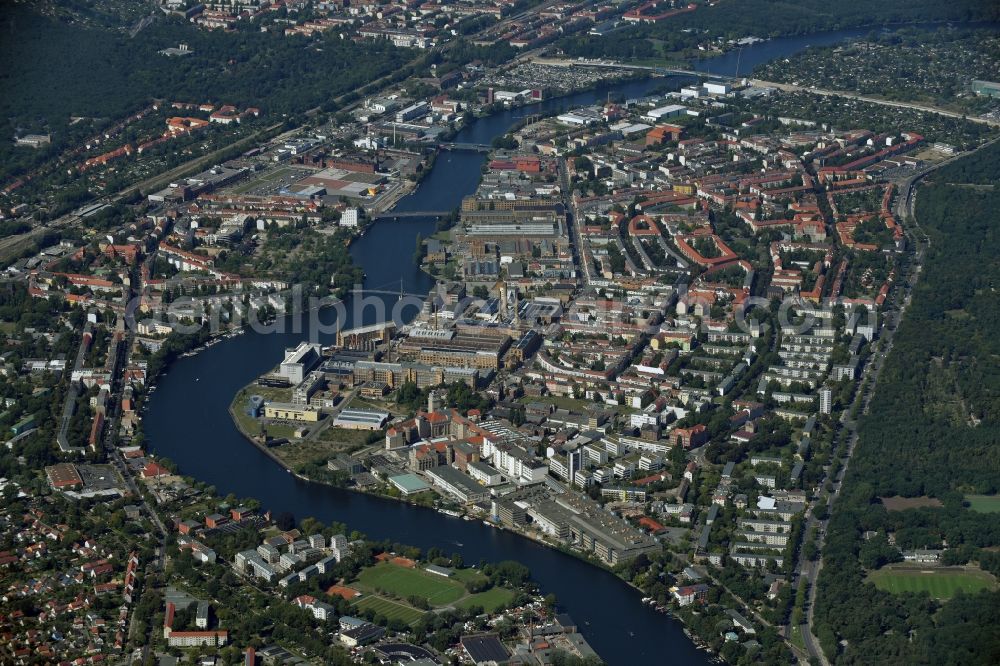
153,469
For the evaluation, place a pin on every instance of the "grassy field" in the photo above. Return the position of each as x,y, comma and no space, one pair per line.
298,452
940,583
344,439
796,638
902,503
286,430
403,582
490,600
465,575
391,609
984,503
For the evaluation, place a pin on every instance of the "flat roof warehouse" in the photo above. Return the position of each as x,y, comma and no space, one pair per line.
361,418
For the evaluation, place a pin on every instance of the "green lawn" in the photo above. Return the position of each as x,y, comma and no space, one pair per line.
490,600
391,609
941,583
403,582
797,639
984,503
465,575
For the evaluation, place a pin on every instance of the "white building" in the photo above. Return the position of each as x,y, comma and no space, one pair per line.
299,361
825,400
668,111
349,218
484,474
717,88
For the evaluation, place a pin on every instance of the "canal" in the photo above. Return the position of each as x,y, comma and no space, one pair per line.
187,420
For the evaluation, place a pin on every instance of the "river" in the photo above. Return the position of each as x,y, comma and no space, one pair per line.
741,62
187,420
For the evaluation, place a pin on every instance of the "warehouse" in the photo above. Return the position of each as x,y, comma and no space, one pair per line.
361,419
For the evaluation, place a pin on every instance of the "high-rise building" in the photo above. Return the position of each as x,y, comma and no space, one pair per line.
825,400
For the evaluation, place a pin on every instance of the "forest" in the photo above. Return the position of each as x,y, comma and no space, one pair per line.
770,18
932,430
107,75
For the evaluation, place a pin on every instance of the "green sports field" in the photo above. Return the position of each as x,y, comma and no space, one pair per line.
403,582
984,503
390,609
490,600
940,583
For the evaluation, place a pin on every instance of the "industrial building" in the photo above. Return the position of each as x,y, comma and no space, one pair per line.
286,411
300,361
361,419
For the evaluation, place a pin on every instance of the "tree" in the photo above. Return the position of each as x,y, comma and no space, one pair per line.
284,520
420,251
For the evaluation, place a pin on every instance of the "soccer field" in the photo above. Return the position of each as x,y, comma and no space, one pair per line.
984,503
939,583
391,609
404,582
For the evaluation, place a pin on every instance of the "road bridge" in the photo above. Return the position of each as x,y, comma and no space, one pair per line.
471,147
403,215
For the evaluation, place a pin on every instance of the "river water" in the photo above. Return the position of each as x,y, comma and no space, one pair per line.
187,421
187,418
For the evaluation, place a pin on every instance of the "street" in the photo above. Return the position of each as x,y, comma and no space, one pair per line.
847,437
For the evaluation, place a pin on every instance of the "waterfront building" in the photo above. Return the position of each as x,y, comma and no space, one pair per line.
298,362
286,411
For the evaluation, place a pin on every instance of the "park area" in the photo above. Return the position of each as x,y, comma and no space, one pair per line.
389,584
405,582
984,503
938,582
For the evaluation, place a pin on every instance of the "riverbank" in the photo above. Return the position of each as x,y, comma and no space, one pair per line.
610,615
461,514
263,448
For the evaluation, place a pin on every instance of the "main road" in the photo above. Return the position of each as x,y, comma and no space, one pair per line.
899,302
792,87
760,83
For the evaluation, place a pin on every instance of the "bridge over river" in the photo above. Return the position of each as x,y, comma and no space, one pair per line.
475,147
402,215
